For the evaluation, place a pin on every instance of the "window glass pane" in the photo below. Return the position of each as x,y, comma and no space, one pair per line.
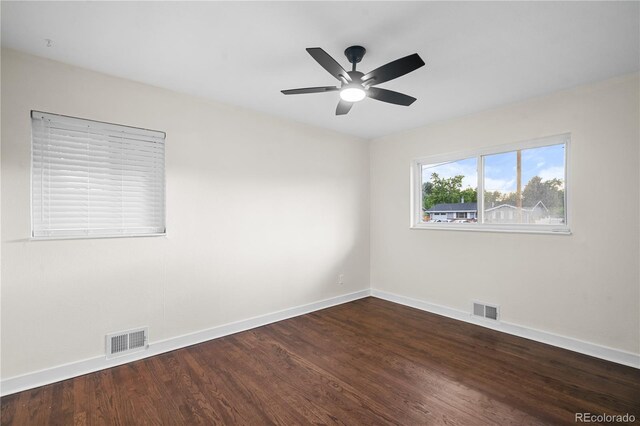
449,191
525,187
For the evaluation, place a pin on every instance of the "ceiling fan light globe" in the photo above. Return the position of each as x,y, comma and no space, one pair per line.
352,94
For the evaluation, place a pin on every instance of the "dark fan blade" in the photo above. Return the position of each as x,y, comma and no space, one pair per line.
343,107
328,63
310,90
394,69
390,96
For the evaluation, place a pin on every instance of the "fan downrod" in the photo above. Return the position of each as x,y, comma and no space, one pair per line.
355,54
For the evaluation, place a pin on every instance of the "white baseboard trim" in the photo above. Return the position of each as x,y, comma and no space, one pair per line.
79,368
587,348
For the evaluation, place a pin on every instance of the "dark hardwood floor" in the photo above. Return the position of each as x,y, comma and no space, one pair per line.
365,362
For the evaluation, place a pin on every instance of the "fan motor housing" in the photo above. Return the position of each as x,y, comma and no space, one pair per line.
355,53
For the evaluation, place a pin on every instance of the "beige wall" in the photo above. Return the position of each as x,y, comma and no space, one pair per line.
585,286
263,214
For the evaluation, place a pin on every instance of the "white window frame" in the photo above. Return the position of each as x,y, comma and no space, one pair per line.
416,221
96,125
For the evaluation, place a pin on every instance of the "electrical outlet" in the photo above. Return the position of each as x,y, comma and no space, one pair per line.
341,279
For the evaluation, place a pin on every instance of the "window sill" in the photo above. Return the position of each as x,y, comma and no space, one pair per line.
552,230
95,237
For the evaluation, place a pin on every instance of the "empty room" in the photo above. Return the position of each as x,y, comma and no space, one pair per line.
357,213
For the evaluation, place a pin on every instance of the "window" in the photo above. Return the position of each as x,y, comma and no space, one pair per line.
523,187
93,179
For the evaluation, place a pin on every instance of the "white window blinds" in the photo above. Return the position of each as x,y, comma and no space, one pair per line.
95,179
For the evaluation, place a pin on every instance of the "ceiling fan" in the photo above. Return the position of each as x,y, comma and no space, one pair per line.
356,85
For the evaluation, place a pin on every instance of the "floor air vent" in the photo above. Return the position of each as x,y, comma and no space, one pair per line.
485,311
126,342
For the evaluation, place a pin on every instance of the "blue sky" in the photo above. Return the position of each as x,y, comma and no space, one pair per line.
500,169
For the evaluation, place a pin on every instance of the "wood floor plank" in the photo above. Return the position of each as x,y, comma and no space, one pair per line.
9,407
365,362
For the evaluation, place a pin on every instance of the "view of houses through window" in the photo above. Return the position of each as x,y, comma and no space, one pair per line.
521,187
449,191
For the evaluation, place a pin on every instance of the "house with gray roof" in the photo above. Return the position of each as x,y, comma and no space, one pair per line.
448,212
506,213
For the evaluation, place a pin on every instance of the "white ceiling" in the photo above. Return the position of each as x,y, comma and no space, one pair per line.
479,55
